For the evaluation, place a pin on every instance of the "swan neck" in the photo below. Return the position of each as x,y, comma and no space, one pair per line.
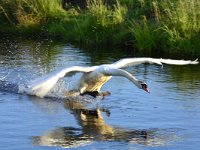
130,77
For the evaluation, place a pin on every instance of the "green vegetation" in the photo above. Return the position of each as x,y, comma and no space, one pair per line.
146,25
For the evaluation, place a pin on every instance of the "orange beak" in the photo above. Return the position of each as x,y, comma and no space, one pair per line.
147,90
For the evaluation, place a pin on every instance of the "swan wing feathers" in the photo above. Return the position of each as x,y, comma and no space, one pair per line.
73,70
128,62
41,86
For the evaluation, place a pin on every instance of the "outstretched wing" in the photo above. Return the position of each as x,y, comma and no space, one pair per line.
41,86
123,63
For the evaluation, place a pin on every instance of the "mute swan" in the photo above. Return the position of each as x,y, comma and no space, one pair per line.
93,78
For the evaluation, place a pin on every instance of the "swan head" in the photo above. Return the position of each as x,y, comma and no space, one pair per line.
142,85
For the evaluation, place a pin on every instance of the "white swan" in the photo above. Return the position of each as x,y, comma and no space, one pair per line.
93,78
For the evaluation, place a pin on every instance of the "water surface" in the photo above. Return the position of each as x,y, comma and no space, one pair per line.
167,118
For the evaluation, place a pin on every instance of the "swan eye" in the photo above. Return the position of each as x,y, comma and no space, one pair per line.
144,86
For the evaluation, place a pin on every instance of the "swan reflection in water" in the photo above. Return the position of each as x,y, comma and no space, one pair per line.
93,128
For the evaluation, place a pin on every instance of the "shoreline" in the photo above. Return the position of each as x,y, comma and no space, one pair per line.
147,28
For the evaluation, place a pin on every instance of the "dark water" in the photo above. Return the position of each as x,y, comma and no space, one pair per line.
167,118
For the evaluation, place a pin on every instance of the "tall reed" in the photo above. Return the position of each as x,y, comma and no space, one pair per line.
145,35
29,12
99,23
182,23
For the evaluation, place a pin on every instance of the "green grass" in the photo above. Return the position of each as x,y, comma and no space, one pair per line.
28,12
144,36
182,24
145,25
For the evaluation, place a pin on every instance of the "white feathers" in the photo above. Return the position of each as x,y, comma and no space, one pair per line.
179,62
40,87
127,62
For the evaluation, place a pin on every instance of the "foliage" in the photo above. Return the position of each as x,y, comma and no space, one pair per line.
146,25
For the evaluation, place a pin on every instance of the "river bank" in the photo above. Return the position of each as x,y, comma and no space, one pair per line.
146,26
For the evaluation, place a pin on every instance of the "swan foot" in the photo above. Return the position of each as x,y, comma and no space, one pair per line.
96,93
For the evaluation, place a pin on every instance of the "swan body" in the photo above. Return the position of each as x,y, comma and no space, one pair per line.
93,78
